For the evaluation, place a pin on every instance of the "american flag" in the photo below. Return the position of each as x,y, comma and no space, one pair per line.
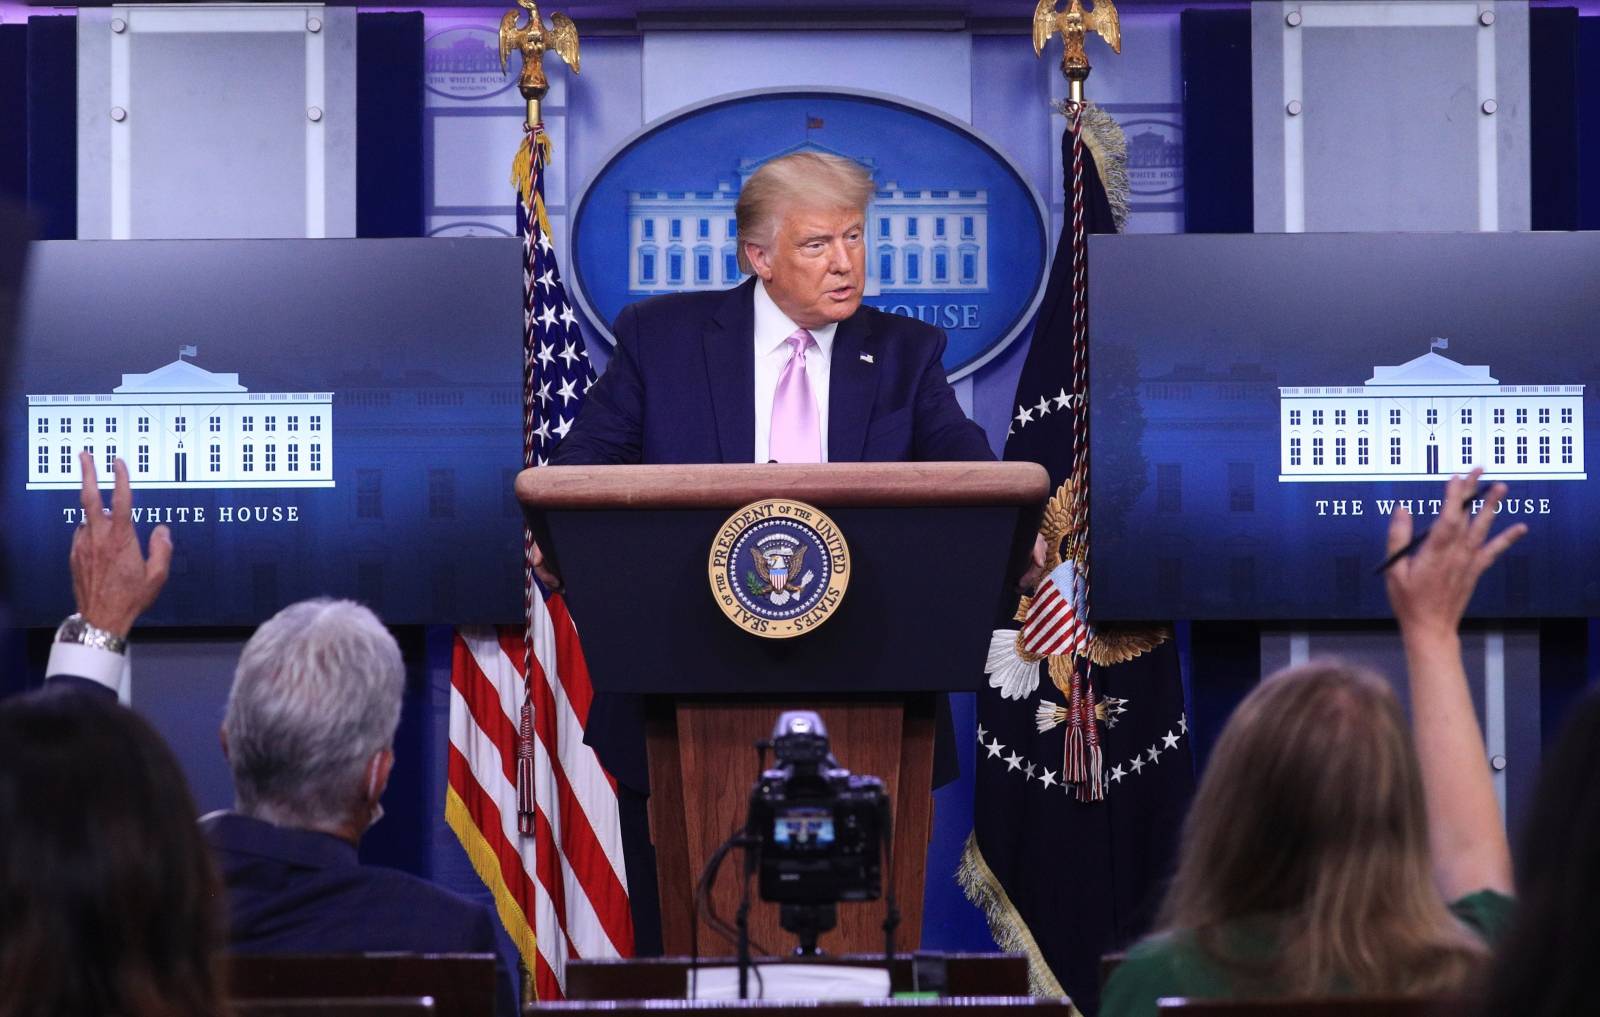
530,802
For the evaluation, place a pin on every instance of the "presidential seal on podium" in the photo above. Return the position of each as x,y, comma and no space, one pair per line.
779,568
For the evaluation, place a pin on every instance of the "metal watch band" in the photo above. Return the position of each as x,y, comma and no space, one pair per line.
77,630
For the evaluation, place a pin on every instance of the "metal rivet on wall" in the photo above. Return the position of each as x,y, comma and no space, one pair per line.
1498,762
314,114
1486,18
119,114
1293,109
313,24
1293,19
1489,106
118,25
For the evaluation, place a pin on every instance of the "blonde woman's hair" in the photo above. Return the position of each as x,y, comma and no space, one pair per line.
801,180
1311,819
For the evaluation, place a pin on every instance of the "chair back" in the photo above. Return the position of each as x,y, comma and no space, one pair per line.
459,984
336,1006
1350,1006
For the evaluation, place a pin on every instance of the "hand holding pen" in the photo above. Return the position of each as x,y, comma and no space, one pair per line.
1416,541
1431,587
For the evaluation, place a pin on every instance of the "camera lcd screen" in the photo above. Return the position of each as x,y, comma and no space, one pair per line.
803,827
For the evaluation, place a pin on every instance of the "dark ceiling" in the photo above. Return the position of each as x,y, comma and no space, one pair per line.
787,11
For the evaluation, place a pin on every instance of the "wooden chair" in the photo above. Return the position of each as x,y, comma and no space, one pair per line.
459,984
337,1006
1354,1006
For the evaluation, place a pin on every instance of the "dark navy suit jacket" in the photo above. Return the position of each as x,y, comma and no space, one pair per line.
299,891
680,389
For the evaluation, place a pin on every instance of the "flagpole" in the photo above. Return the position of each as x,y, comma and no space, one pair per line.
1082,768
1073,24
532,40
1024,817
511,707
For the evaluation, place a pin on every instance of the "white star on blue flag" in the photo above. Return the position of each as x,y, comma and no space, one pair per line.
562,367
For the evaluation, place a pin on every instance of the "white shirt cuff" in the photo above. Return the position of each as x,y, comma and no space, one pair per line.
100,666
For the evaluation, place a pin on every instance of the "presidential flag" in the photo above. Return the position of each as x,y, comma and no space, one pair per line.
1083,770
530,802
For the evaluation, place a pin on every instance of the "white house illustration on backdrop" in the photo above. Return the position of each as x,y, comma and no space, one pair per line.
1426,419
933,240
181,426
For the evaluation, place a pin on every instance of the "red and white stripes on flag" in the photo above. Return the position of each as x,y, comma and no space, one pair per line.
563,892
530,802
1057,615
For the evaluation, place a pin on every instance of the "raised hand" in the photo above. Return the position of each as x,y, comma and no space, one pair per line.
1429,592
112,579
1430,589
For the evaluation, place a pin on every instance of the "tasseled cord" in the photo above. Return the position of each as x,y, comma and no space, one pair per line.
526,175
1082,763
524,172
526,806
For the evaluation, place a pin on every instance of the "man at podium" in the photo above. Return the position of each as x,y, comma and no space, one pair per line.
787,367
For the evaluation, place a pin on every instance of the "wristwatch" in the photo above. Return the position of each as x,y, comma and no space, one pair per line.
76,630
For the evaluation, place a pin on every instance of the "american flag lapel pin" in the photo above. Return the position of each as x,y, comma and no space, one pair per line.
866,358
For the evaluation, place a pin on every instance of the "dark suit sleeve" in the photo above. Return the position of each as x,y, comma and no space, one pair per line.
85,686
943,433
610,427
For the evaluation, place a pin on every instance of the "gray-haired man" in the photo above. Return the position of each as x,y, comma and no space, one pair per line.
309,734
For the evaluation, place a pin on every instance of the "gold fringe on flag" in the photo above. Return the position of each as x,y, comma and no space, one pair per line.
1010,932
1103,136
522,171
487,865
522,168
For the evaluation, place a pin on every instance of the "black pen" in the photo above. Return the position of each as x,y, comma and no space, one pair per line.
1417,540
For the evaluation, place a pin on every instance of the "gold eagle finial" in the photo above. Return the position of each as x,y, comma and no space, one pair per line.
532,40
1073,23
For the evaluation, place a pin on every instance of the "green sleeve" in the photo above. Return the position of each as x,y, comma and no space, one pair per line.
1487,912
1149,973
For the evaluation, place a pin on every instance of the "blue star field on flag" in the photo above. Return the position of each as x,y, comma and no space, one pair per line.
559,360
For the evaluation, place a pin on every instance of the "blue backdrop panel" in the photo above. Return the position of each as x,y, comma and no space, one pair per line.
389,86
1588,90
53,125
348,422
1261,402
1218,189
1553,116
14,112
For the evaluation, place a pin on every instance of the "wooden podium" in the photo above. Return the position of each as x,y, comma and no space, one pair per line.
933,547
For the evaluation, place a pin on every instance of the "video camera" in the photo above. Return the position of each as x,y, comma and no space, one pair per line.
820,828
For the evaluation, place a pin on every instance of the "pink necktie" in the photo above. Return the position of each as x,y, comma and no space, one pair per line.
796,433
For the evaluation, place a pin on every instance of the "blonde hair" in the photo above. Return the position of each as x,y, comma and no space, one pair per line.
805,180
1311,817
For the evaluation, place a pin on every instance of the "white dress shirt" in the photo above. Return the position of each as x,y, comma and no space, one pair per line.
772,330
101,666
